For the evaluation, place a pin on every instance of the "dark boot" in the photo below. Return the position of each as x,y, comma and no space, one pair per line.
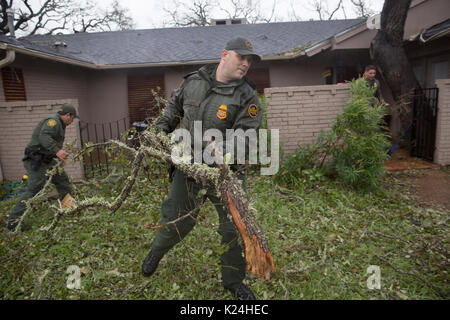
150,264
11,226
242,292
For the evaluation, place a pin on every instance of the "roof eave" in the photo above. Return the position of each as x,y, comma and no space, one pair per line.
318,48
336,39
48,56
154,64
71,61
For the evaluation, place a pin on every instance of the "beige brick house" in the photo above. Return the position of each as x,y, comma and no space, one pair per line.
109,75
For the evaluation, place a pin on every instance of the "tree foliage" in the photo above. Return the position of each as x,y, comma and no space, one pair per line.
183,13
52,16
328,9
353,150
201,12
194,14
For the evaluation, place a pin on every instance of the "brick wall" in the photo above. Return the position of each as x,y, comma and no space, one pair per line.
301,112
442,152
17,122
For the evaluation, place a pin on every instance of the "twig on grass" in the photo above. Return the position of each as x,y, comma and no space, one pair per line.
437,291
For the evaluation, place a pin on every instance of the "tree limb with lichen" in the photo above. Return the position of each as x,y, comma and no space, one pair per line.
156,144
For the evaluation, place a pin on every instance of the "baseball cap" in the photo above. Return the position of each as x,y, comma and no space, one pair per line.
68,108
243,47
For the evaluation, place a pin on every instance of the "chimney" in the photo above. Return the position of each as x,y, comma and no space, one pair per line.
217,22
10,14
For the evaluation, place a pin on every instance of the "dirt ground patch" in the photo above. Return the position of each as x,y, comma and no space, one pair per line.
429,182
432,187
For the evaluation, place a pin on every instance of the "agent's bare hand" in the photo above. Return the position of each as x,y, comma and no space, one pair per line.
62,155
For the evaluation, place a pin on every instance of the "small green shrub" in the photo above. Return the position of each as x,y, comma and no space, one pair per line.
353,150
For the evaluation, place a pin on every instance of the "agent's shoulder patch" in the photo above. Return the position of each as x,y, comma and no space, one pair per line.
253,110
51,123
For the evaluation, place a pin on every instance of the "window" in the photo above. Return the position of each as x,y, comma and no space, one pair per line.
346,73
13,84
141,101
327,74
439,70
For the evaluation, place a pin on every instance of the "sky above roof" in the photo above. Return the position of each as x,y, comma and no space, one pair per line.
149,14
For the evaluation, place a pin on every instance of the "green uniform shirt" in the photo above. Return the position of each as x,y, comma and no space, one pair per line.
375,84
49,135
222,106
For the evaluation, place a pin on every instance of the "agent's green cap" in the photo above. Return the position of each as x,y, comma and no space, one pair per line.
243,47
68,108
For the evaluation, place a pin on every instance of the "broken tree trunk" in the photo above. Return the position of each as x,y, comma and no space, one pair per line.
257,254
388,53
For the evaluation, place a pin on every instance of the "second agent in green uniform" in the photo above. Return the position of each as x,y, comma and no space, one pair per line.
45,146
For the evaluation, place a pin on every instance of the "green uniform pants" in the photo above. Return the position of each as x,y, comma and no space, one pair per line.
36,181
183,199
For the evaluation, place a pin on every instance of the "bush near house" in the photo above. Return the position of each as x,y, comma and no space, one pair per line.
353,150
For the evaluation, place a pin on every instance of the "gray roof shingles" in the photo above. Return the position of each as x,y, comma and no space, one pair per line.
171,45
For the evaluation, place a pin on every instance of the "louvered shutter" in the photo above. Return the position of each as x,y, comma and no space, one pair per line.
141,102
13,84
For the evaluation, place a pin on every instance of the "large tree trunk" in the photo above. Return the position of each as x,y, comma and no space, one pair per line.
389,55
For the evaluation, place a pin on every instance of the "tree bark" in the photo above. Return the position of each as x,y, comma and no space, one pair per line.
388,53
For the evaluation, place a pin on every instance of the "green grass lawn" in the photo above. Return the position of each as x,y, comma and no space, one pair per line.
323,238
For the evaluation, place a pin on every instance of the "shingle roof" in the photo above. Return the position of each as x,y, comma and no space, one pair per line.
182,45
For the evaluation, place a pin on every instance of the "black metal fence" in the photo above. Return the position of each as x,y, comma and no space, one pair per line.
97,162
424,123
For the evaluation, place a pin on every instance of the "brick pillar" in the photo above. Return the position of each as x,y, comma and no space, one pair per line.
442,151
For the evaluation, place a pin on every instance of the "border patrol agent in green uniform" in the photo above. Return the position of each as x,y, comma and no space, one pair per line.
369,75
45,145
222,98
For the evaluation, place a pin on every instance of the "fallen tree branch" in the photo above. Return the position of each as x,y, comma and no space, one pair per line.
95,201
38,197
158,145
189,214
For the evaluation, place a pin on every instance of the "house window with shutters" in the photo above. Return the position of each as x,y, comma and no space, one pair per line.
13,84
141,101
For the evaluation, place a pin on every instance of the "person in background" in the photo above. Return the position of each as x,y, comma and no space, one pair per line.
46,145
